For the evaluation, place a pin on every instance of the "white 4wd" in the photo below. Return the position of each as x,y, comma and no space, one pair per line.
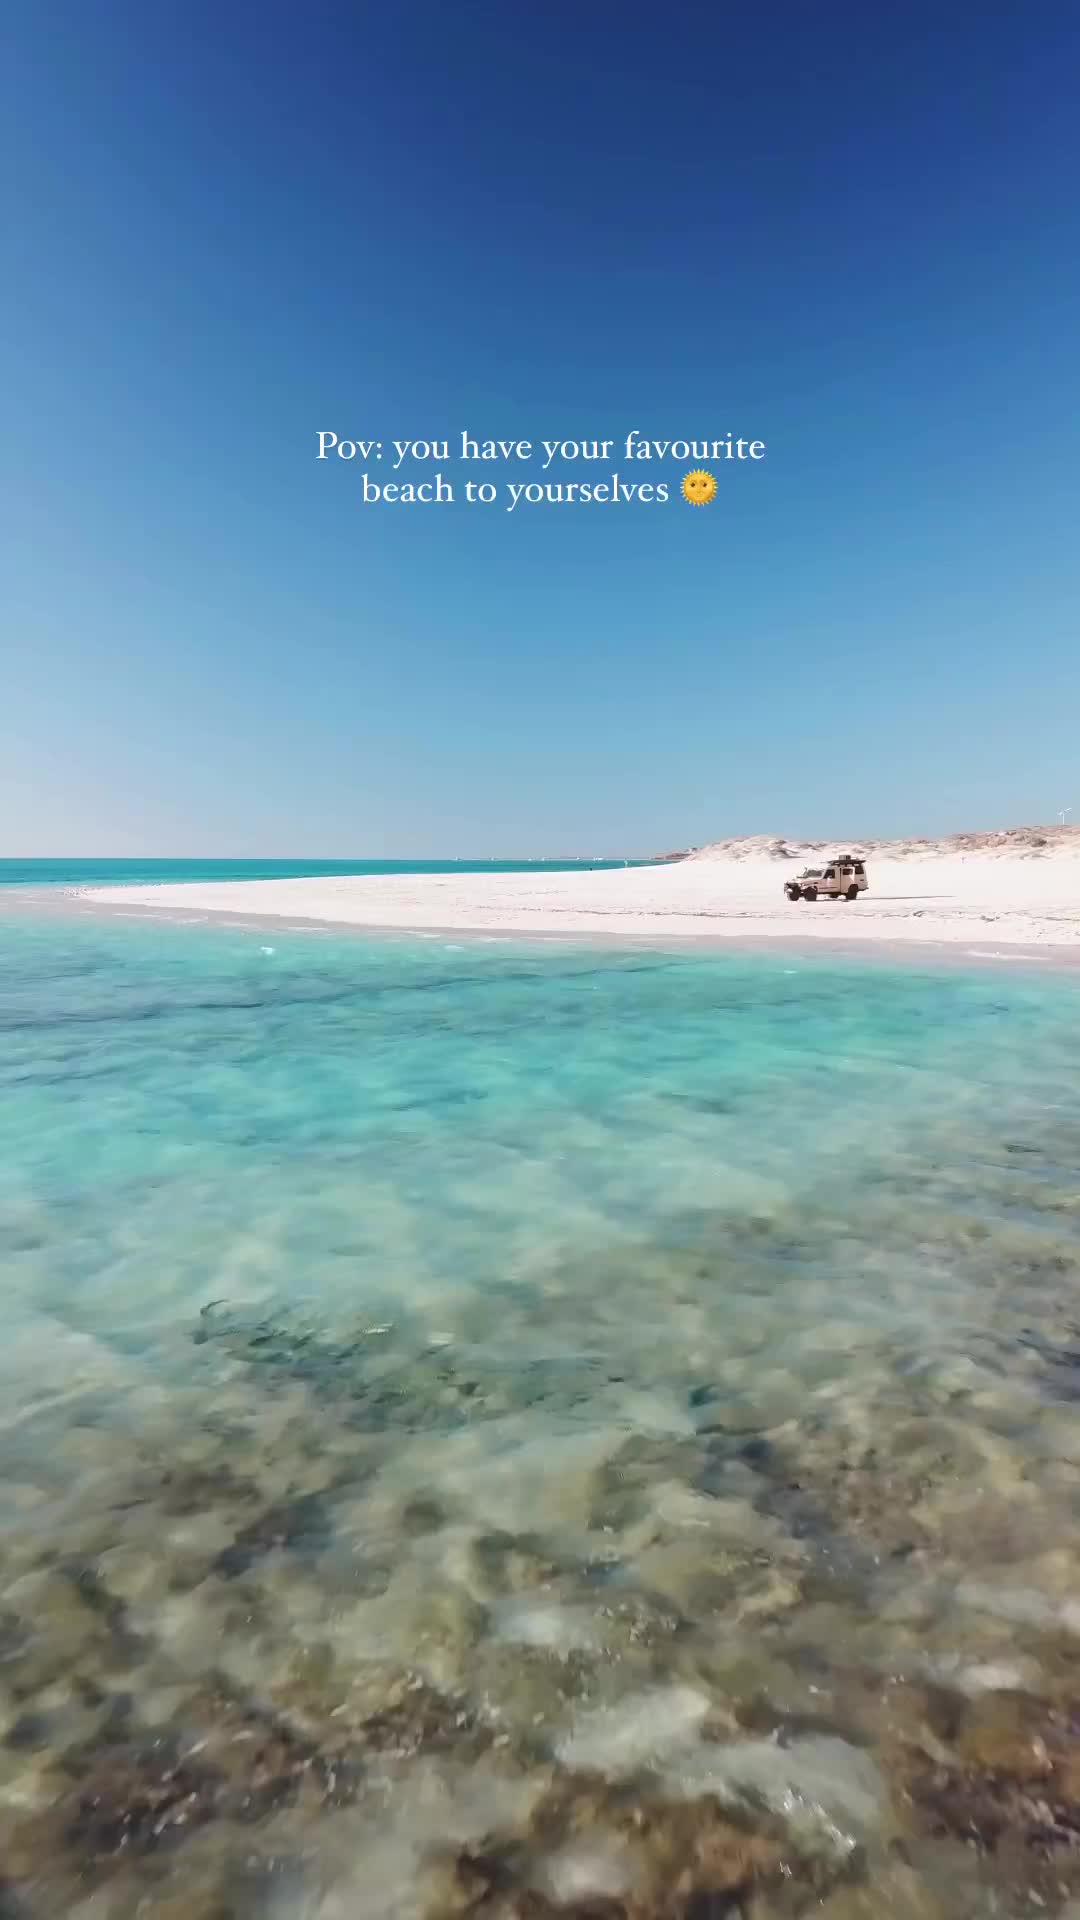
841,879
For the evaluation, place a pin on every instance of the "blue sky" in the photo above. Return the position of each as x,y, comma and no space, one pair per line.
853,237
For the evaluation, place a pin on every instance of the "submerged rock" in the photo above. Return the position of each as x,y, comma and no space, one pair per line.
893,1892
1005,1781
589,1867
830,1794
635,1733
656,1861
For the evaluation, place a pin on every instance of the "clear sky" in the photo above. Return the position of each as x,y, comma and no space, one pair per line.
847,231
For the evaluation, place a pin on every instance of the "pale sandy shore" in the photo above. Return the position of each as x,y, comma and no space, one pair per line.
994,896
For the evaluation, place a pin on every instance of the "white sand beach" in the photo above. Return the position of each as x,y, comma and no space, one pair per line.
1020,887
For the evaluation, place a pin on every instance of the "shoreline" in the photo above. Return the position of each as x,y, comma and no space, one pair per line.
992,947
999,896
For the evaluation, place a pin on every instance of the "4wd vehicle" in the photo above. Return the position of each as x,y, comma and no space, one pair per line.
841,879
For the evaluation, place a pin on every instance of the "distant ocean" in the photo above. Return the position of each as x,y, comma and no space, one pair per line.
133,873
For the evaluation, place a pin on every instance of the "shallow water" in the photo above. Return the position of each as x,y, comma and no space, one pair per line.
521,1431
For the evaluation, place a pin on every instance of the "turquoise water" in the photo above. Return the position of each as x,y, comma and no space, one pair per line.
498,1430
132,873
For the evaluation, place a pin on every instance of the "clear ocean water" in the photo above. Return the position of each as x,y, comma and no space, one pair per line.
534,1432
132,873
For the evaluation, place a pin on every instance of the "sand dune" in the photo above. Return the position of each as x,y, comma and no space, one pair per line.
1021,843
1018,888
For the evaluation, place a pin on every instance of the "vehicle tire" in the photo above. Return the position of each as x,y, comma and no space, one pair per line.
792,893
809,893
853,893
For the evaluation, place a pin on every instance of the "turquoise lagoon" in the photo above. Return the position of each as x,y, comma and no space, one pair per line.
530,1430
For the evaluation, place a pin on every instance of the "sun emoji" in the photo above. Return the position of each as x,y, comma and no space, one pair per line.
699,487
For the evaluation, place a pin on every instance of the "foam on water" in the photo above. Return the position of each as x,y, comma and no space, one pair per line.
543,1368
